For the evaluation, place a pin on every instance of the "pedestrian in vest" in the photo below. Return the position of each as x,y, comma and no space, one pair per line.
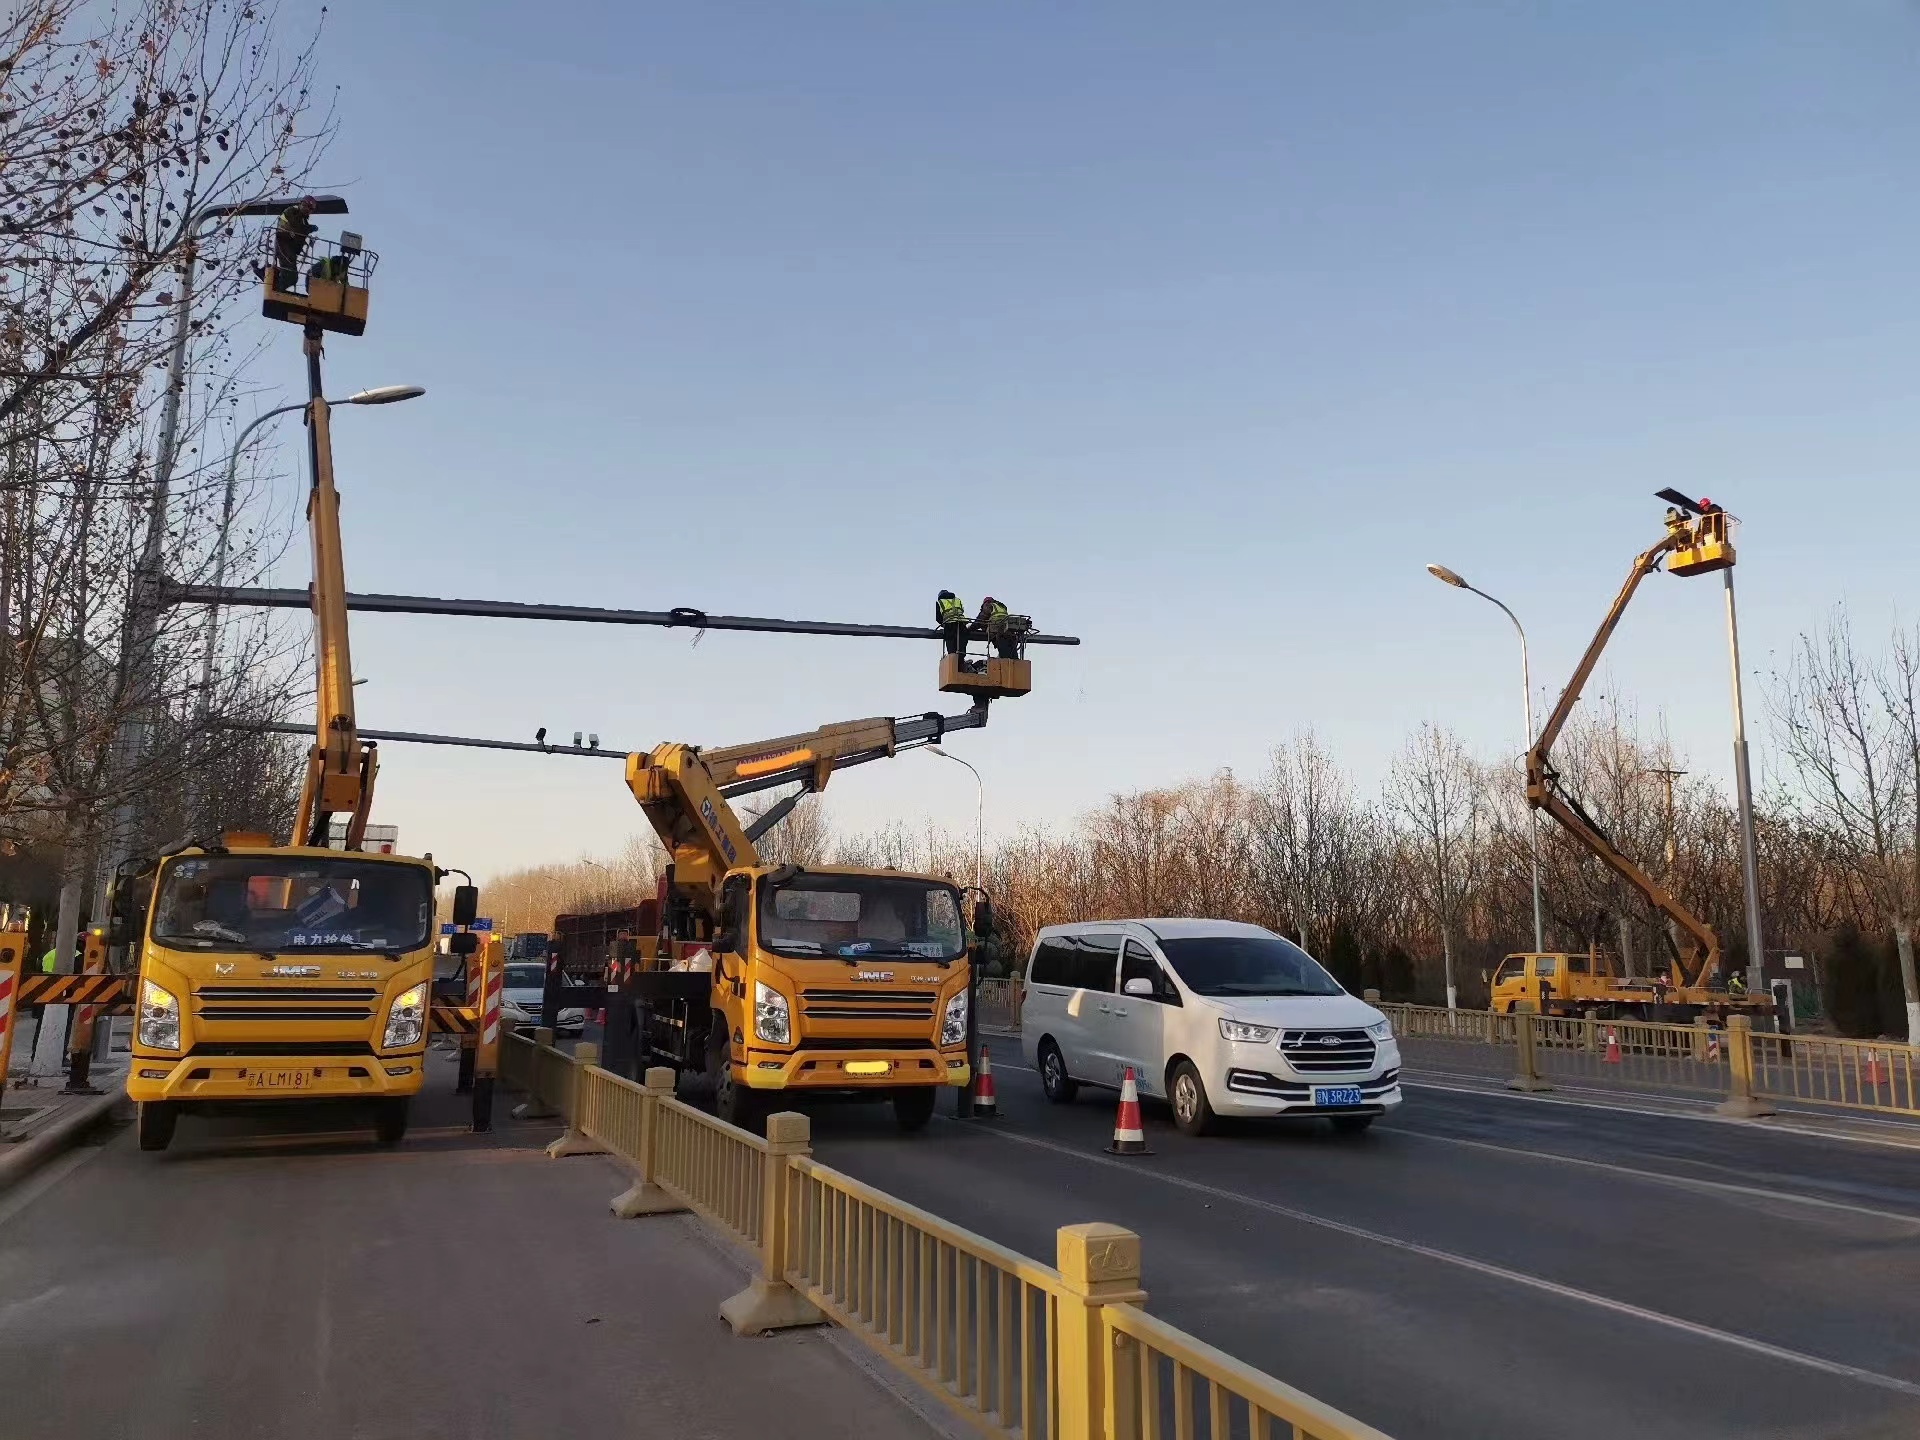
950,614
290,239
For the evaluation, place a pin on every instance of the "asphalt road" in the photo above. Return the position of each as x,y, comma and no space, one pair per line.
1480,1266
276,1278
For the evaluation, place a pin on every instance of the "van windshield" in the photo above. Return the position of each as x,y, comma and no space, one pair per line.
269,903
1246,965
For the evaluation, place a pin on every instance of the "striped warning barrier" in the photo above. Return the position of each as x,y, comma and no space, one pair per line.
113,993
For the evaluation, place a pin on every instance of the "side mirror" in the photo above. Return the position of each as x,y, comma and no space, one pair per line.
1138,985
1486,977
466,904
725,942
462,942
982,918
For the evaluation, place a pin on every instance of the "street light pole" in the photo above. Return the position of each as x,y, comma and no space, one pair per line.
979,811
1743,783
1449,577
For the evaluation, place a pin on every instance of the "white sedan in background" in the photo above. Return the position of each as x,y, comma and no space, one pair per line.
525,985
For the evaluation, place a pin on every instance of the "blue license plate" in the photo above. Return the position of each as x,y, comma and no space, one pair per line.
1337,1095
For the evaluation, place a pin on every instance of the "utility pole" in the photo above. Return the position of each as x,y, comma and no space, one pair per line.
1743,781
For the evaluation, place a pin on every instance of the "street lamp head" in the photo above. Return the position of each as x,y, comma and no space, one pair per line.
321,205
1441,572
936,750
385,395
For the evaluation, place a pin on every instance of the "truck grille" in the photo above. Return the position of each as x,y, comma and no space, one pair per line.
1327,1052
346,1003
821,1003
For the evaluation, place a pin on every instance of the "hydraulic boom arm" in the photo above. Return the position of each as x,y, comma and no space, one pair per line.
1702,959
684,790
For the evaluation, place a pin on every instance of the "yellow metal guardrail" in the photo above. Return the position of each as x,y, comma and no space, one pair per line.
1433,1022
999,1002
1823,1070
1014,1347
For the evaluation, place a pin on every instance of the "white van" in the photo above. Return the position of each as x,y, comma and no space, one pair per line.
1213,1016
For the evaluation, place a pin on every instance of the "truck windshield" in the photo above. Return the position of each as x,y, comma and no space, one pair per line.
1246,965
271,903
858,917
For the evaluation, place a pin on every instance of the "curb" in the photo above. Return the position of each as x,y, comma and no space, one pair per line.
21,1160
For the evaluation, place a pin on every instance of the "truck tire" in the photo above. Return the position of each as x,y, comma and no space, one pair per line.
390,1120
913,1107
733,1102
155,1122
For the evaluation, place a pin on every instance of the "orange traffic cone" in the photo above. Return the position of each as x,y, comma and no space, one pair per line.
1128,1136
985,1107
1613,1046
1876,1072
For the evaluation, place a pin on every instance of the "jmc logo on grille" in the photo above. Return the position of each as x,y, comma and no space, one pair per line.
881,975
291,972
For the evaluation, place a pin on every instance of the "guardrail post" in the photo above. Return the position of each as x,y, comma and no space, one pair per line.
535,1106
1741,1102
1099,1265
576,1141
1527,1074
645,1196
770,1303
1702,1037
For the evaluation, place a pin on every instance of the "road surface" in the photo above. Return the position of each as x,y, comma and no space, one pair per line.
271,1279
1480,1266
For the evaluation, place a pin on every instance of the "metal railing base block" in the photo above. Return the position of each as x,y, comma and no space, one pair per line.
574,1143
644,1198
1744,1107
534,1110
769,1305
1526,1086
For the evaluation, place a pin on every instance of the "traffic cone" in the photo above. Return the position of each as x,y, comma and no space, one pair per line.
1613,1046
1876,1072
1128,1136
985,1107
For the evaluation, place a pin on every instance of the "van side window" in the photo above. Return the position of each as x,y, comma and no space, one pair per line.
1137,964
1052,963
1094,961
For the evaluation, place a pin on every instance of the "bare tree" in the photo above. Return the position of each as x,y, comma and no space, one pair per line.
1435,788
1849,727
1302,824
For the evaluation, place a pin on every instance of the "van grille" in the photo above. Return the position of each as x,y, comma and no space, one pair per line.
1327,1052
820,1003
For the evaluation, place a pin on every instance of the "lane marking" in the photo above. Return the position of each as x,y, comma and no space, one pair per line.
1690,1182
1495,1272
1762,1127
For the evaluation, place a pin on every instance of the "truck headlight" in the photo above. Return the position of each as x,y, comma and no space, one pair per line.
953,1025
1381,1030
771,1020
1248,1034
407,1019
159,1027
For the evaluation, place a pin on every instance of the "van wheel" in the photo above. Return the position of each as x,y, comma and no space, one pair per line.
913,1107
1351,1124
390,1122
155,1123
1191,1110
1060,1086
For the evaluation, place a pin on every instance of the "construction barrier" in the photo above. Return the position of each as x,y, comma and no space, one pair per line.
999,1004
1012,1346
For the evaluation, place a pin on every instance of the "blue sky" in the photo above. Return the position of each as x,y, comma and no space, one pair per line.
1195,331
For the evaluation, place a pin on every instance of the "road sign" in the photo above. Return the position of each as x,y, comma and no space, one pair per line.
483,923
446,927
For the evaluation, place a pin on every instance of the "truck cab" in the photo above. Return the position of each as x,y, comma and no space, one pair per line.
830,980
280,972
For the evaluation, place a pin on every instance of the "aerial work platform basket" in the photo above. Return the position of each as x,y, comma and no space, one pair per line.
1710,546
326,286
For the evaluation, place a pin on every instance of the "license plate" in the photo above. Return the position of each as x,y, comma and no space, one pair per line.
1337,1095
279,1079
868,1067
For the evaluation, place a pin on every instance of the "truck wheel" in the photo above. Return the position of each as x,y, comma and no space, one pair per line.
735,1103
155,1124
913,1107
1060,1086
390,1121
1191,1110
1352,1124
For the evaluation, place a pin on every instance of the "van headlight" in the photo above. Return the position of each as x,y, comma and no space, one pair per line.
1381,1030
772,1021
1239,1030
159,1027
953,1024
407,1019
